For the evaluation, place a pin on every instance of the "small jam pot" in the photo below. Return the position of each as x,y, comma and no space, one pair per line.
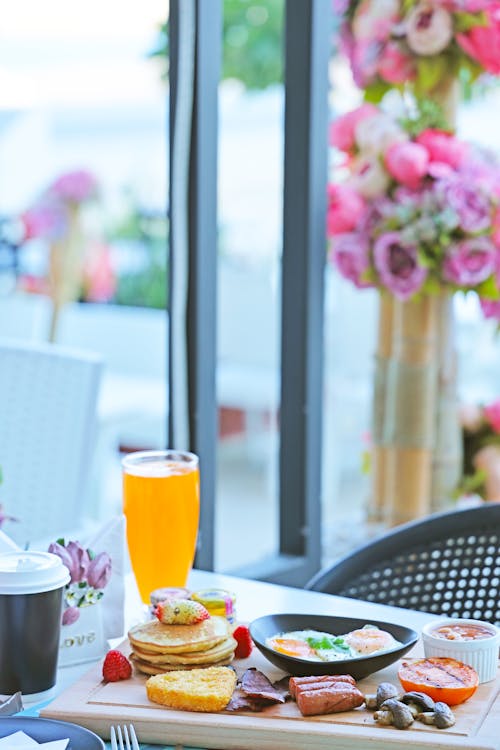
218,602
472,642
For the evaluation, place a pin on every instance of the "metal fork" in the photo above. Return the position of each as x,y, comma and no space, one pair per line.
124,738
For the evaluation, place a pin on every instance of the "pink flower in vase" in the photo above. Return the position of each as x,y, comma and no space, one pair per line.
397,265
443,147
350,253
374,19
46,220
482,43
492,414
374,135
471,204
394,66
75,187
369,178
429,29
470,262
490,308
407,163
343,128
345,208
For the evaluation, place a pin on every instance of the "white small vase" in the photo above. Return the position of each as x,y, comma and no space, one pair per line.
84,639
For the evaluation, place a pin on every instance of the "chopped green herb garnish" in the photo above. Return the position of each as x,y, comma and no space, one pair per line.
332,643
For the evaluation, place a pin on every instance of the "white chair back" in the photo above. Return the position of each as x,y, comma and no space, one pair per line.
47,429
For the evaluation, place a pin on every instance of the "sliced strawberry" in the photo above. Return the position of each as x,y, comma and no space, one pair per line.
116,667
241,635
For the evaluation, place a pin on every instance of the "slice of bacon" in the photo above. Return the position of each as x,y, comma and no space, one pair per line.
256,685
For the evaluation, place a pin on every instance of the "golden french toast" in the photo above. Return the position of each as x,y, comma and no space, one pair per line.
205,690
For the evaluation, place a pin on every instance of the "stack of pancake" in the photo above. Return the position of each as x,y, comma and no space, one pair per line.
159,648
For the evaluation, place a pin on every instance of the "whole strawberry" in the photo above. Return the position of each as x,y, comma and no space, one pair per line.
241,635
181,612
116,667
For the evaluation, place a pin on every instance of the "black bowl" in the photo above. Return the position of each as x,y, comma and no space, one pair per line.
359,667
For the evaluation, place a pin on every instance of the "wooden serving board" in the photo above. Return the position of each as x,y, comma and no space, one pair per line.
96,705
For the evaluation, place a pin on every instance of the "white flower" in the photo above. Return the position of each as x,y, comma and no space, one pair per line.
374,18
369,177
429,29
375,134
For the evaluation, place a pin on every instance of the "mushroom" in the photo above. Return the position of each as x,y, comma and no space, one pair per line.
384,691
402,717
418,702
426,717
443,716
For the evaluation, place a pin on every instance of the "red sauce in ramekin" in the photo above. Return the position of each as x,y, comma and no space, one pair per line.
462,632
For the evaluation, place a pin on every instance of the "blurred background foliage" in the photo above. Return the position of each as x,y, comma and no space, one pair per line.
252,42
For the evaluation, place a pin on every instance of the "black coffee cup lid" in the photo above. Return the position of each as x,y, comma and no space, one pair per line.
26,572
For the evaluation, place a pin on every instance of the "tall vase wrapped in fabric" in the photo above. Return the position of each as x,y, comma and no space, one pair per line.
412,427
381,409
65,267
448,448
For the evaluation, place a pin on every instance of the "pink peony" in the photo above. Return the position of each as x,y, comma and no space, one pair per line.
394,66
490,308
46,220
345,208
470,262
369,178
482,43
350,253
471,205
74,187
397,265
492,414
443,147
343,128
495,236
429,29
407,163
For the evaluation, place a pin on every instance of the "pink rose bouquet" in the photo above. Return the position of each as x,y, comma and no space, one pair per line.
481,450
392,42
89,575
419,215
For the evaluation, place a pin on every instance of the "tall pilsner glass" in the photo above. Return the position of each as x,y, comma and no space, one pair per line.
161,501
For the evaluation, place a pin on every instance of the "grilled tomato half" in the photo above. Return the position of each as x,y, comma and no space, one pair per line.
439,677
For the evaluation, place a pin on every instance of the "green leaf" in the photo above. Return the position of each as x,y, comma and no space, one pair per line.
488,289
376,91
466,21
328,643
431,71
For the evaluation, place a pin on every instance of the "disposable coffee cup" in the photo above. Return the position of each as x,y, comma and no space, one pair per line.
31,599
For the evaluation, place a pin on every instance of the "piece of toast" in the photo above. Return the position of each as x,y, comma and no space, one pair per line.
204,690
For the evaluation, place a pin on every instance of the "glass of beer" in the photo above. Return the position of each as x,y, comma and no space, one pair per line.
161,502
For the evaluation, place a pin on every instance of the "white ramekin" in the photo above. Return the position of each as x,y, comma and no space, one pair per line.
481,654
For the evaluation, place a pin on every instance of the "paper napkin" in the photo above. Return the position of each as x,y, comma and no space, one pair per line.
22,741
110,538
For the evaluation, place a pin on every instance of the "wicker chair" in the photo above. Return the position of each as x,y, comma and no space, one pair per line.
48,429
447,563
